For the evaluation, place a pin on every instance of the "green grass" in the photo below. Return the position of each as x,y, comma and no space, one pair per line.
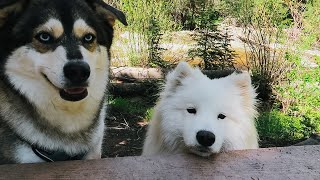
131,107
149,114
126,106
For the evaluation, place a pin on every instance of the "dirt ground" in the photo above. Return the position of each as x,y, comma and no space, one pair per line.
125,132
124,137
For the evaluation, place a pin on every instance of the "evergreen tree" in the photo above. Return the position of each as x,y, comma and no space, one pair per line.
213,46
154,37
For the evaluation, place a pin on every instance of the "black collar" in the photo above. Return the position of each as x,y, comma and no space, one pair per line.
52,156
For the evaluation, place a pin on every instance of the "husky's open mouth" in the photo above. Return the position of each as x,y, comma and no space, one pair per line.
70,94
73,94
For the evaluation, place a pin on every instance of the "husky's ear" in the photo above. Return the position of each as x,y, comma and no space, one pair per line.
242,80
108,12
174,78
9,7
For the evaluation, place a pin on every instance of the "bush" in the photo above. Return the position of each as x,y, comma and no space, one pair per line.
299,95
185,12
144,18
311,23
263,23
278,129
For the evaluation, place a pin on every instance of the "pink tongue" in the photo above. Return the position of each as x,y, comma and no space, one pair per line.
75,90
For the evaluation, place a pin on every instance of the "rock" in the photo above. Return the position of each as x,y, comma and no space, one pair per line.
313,140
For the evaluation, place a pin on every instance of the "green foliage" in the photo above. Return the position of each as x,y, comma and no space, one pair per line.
149,114
146,18
266,13
311,22
185,12
131,107
126,106
155,51
299,96
278,129
140,12
213,46
263,22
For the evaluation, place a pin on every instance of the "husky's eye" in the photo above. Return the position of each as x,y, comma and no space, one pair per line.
88,38
44,37
221,116
192,110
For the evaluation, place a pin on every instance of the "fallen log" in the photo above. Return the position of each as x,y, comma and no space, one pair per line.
314,139
134,89
133,74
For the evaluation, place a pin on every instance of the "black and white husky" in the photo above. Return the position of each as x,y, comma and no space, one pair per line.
54,70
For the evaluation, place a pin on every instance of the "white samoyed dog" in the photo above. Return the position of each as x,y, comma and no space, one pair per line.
203,116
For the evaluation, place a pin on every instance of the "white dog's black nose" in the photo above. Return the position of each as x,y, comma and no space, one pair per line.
205,138
77,72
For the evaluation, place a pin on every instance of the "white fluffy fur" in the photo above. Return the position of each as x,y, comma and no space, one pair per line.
173,130
25,69
24,154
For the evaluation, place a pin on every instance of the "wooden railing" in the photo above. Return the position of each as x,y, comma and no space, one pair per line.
297,162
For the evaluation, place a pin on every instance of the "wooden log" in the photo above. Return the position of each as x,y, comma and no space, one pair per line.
134,89
314,139
295,162
132,74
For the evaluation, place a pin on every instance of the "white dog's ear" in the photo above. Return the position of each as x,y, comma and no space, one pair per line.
242,81
174,78
10,7
108,12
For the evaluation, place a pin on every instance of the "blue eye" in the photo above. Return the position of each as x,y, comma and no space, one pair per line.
44,37
89,38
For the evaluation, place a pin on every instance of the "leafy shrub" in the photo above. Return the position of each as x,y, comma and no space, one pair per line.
299,95
263,23
278,129
311,23
145,18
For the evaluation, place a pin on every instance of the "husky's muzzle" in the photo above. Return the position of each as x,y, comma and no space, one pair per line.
76,74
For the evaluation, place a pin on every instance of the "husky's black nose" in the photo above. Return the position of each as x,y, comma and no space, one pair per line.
205,138
77,72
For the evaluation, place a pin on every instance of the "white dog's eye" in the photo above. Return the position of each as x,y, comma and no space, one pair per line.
89,38
44,37
192,110
221,116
